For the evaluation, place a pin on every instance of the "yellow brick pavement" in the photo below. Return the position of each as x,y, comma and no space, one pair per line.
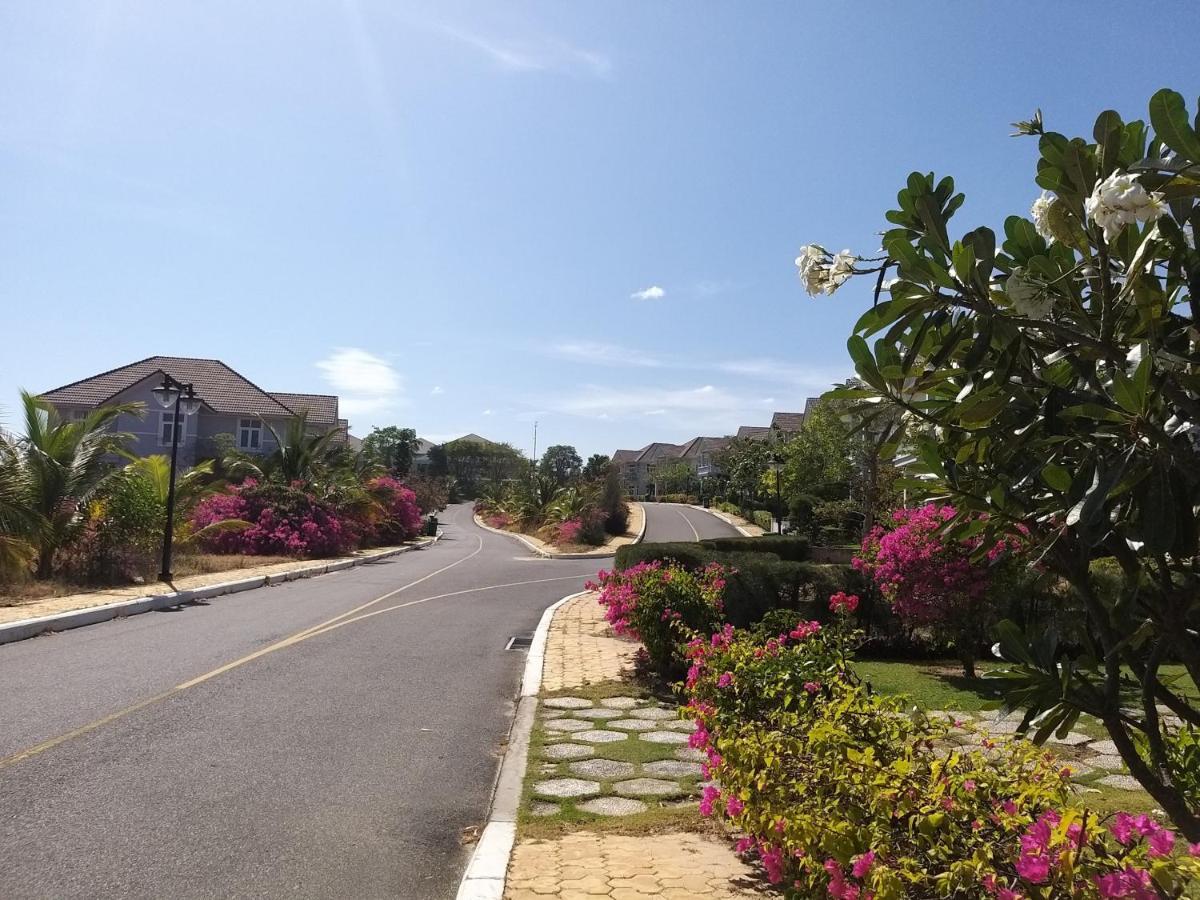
674,866
581,648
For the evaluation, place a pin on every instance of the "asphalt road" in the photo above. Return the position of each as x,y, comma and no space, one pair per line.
676,522
324,738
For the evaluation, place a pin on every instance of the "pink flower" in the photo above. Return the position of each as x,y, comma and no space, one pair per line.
812,686
969,786
841,602
1162,842
1034,869
734,807
744,845
862,865
709,796
1129,883
725,680
1193,849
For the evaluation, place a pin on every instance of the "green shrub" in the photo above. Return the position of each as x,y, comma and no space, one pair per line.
662,605
757,582
840,793
793,548
762,518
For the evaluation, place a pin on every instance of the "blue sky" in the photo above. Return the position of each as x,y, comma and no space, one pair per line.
465,217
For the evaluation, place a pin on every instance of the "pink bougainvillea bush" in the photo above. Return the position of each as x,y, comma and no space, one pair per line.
841,793
660,604
398,518
938,583
272,520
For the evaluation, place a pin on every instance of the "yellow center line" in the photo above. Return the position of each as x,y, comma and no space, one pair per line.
328,625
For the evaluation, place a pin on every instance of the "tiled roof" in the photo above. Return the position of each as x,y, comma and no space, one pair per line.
789,422
624,456
322,408
424,446
753,432
221,388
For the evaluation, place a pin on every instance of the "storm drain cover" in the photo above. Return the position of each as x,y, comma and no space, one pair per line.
519,642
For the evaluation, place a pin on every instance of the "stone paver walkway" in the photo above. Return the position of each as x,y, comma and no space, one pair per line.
611,757
581,648
675,865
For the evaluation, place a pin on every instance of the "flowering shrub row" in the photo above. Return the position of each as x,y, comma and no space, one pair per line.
937,582
271,519
661,604
842,794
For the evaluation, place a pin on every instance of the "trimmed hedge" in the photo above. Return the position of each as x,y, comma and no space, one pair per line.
793,548
761,582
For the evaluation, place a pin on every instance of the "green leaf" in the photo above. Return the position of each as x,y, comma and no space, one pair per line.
1125,394
1108,133
1168,115
1057,477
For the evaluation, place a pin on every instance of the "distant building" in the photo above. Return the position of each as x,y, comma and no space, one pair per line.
231,404
638,468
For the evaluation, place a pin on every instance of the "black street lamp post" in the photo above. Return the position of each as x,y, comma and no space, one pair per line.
183,398
777,465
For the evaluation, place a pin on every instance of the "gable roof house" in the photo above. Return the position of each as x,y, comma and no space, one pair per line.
231,404
638,467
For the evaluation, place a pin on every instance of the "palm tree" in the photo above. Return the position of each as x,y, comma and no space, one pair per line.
189,487
302,454
16,522
62,467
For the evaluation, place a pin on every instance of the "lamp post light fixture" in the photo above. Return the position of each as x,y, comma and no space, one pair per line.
183,398
777,465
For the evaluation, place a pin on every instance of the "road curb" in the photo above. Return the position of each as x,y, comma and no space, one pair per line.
92,615
724,518
545,554
488,867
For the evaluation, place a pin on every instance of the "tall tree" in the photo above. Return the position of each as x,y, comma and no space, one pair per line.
392,447
561,462
597,466
62,467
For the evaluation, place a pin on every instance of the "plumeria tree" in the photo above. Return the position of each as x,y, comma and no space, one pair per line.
1051,379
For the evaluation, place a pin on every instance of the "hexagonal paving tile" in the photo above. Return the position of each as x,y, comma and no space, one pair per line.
566,787
672,768
568,751
1125,782
679,725
567,725
664,737
602,768
647,787
633,724
653,712
612,806
690,755
567,703
538,808
618,702
1073,739
1105,746
600,736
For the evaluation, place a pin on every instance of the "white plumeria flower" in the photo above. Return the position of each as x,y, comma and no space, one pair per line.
1041,215
813,267
1120,200
1028,296
841,269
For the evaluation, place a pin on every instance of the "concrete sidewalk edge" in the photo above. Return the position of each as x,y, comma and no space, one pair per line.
91,615
546,554
488,867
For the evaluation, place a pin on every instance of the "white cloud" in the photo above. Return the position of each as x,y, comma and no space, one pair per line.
364,382
782,372
700,410
601,354
437,389
535,55
489,412
654,292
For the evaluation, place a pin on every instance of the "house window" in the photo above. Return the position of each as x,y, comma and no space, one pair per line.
250,434
167,424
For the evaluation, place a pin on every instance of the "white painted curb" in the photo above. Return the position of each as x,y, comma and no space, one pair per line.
724,518
75,618
488,867
545,554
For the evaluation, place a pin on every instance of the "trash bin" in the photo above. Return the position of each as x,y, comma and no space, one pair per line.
431,526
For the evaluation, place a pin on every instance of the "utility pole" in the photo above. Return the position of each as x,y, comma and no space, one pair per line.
534,461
